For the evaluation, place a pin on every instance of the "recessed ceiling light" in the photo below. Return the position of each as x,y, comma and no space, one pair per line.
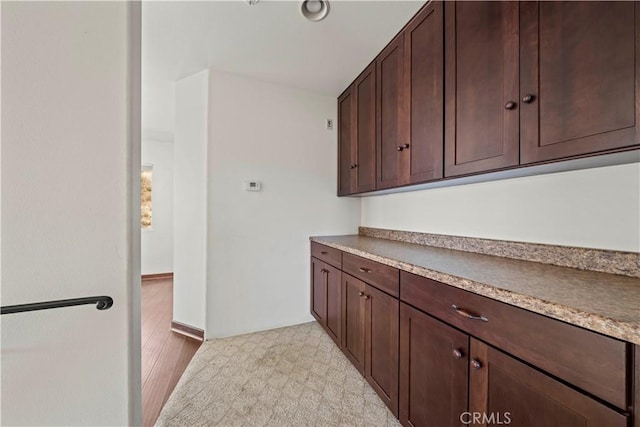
314,10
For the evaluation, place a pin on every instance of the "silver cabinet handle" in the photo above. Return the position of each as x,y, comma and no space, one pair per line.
464,313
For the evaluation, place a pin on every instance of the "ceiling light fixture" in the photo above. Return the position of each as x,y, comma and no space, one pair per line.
314,10
251,2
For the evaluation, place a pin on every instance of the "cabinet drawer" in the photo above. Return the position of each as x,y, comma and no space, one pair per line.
379,275
327,254
593,362
531,398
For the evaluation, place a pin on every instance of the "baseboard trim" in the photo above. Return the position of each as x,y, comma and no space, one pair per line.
157,276
187,330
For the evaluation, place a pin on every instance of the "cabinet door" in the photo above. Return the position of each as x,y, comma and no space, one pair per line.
353,314
424,96
390,114
433,370
319,290
580,70
346,143
514,393
382,345
481,83
365,88
334,303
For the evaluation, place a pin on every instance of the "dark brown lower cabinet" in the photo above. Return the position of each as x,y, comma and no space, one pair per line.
334,303
326,297
353,313
381,358
370,338
450,379
318,291
503,389
433,370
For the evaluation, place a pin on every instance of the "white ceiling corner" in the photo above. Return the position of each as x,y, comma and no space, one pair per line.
269,41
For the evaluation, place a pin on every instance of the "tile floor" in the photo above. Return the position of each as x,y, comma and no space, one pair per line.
294,376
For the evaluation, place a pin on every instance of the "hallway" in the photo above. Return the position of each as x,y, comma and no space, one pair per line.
165,354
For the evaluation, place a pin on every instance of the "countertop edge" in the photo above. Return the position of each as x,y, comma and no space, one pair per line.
590,259
621,330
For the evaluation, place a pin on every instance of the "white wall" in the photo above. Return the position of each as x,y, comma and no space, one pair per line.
593,208
158,127
258,247
157,241
158,115
69,113
190,200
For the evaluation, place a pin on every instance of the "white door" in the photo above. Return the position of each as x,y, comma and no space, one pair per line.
70,158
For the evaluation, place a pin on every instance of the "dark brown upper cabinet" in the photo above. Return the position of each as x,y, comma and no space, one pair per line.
579,78
365,167
481,81
357,135
390,137
476,86
347,154
410,103
424,96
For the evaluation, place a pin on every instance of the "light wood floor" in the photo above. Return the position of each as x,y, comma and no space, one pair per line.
165,354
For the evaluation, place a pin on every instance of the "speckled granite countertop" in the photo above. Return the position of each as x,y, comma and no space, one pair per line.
601,302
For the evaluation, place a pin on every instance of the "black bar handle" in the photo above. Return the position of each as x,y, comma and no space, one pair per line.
101,302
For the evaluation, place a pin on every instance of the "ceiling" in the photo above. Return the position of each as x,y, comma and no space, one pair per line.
270,41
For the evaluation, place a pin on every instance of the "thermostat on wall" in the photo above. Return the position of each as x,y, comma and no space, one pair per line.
252,185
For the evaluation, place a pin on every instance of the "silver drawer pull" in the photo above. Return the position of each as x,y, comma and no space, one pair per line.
464,313
365,270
